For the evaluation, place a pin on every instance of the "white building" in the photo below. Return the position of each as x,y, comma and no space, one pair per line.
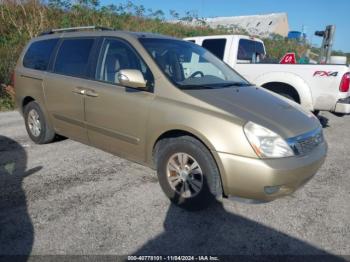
259,25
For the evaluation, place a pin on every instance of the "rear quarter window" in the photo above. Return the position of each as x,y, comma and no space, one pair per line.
39,53
249,48
73,57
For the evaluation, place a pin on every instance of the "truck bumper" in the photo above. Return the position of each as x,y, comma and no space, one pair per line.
343,106
266,180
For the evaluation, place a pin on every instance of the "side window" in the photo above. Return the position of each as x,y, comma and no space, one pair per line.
216,46
250,50
38,54
73,56
117,55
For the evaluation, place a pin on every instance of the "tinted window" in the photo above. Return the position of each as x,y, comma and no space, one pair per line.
38,54
73,56
249,50
216,46
117,55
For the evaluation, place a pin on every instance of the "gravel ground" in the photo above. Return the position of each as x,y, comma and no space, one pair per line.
69,198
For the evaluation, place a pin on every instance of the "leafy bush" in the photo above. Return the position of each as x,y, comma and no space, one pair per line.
6,99
277,46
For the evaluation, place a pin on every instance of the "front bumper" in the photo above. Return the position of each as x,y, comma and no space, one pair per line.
343,106
250,177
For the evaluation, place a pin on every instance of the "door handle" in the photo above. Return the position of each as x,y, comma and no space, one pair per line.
79,91
91,93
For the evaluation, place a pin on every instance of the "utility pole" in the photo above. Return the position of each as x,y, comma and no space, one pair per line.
327,43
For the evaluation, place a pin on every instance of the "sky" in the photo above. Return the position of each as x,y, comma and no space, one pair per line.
312,14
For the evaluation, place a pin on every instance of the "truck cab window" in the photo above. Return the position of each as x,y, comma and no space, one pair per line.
216,46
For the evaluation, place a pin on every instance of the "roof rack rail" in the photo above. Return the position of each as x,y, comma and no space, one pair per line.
74,29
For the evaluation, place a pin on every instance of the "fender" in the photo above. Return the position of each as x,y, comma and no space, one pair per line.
151,143
291,79
164,129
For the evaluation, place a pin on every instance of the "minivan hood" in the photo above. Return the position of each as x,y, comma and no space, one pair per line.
255,104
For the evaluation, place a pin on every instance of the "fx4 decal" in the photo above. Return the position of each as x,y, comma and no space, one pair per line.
325,73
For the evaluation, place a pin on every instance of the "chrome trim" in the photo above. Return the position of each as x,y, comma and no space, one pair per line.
307,142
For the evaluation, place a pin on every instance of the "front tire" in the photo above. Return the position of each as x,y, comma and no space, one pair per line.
187,172
37,127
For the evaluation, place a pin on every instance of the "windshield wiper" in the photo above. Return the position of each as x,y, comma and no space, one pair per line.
239,84
215,86
196,87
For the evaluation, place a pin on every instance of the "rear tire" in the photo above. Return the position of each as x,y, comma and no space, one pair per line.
203,182
37,127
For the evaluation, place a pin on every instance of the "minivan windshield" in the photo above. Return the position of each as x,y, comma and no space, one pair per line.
190,66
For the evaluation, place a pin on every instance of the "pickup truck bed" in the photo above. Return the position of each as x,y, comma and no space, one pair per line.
316,86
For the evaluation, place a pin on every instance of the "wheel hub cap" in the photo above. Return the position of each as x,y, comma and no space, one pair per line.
34,123
184,175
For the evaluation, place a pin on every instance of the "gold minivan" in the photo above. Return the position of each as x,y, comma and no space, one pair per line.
171,105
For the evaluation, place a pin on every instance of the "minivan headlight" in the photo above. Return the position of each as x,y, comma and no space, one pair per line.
266,143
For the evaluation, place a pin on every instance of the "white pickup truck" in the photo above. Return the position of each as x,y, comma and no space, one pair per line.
316,87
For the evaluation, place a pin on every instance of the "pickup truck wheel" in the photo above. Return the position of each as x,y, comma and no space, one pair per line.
36,124
187,173
284,90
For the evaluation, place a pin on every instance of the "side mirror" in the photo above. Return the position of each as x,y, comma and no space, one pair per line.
132,78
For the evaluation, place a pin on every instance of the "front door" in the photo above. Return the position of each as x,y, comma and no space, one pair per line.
64,88
116,116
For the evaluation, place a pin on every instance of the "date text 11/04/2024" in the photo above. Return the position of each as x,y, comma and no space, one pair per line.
173,258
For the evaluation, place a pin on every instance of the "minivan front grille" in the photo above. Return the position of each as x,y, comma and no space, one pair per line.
307,142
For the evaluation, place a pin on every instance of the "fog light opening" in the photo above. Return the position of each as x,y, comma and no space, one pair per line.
271,189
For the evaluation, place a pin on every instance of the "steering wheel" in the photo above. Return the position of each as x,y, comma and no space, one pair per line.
197,73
